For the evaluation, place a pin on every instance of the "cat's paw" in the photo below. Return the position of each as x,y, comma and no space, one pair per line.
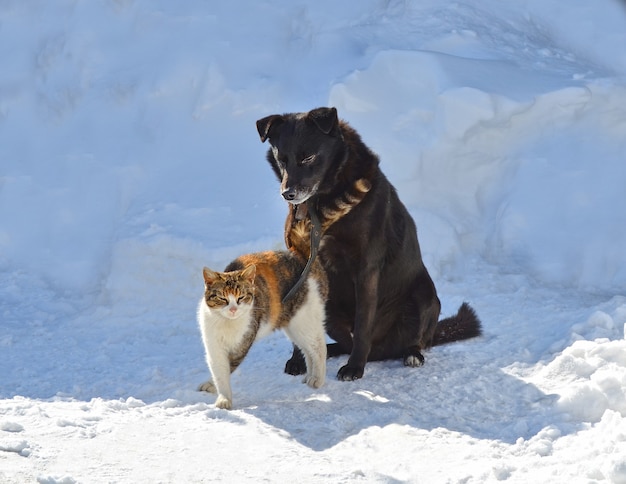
313,381
223,402
207,386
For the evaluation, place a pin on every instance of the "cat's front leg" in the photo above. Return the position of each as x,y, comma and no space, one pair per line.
222,385
222,400
220,367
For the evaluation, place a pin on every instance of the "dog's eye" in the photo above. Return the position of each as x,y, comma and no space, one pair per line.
308,160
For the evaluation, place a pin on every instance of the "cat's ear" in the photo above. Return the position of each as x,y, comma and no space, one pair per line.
210,276
248,273
268,126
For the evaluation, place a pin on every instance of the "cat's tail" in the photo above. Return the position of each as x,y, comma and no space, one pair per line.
464,325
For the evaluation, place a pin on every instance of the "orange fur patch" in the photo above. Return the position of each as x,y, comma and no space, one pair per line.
266,265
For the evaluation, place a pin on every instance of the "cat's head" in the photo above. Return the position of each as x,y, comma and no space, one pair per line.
231,294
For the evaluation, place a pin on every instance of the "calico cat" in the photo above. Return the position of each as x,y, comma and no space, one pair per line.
244,303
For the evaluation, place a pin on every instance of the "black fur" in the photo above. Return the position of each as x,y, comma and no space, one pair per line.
382,302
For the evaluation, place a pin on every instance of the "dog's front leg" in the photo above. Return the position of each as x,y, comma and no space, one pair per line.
296,364
366,288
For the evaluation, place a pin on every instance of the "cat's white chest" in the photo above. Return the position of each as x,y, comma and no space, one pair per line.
220,330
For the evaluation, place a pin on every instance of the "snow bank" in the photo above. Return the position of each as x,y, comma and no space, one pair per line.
589,376
492,130
525,167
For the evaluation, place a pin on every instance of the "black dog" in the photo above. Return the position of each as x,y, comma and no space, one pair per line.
382,302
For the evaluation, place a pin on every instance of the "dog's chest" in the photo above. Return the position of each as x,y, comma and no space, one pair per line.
337,254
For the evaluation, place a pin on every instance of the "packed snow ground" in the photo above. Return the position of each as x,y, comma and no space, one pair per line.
129,159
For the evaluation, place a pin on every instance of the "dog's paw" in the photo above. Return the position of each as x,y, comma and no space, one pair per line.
207,386
413,357
223,402
295,365
350,373
414,361
313,382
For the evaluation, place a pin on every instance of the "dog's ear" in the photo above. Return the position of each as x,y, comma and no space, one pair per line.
264,125
324,118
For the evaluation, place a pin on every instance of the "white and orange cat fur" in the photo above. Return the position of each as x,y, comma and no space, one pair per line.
244,303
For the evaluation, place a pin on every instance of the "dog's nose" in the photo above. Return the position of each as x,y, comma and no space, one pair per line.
289,194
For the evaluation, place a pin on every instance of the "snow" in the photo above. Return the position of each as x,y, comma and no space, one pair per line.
130,160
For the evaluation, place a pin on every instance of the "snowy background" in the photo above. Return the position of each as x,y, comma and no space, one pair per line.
129,159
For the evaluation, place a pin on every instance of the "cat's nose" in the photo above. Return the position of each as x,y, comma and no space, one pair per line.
232,309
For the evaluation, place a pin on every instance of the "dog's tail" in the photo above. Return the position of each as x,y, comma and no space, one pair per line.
464,325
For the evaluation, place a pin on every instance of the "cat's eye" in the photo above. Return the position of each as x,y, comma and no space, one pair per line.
309,159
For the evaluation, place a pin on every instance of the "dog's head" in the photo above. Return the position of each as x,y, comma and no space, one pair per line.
306,150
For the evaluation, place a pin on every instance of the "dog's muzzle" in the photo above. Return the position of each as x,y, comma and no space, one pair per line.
295,196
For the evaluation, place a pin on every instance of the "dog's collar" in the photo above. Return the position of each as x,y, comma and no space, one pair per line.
316,236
